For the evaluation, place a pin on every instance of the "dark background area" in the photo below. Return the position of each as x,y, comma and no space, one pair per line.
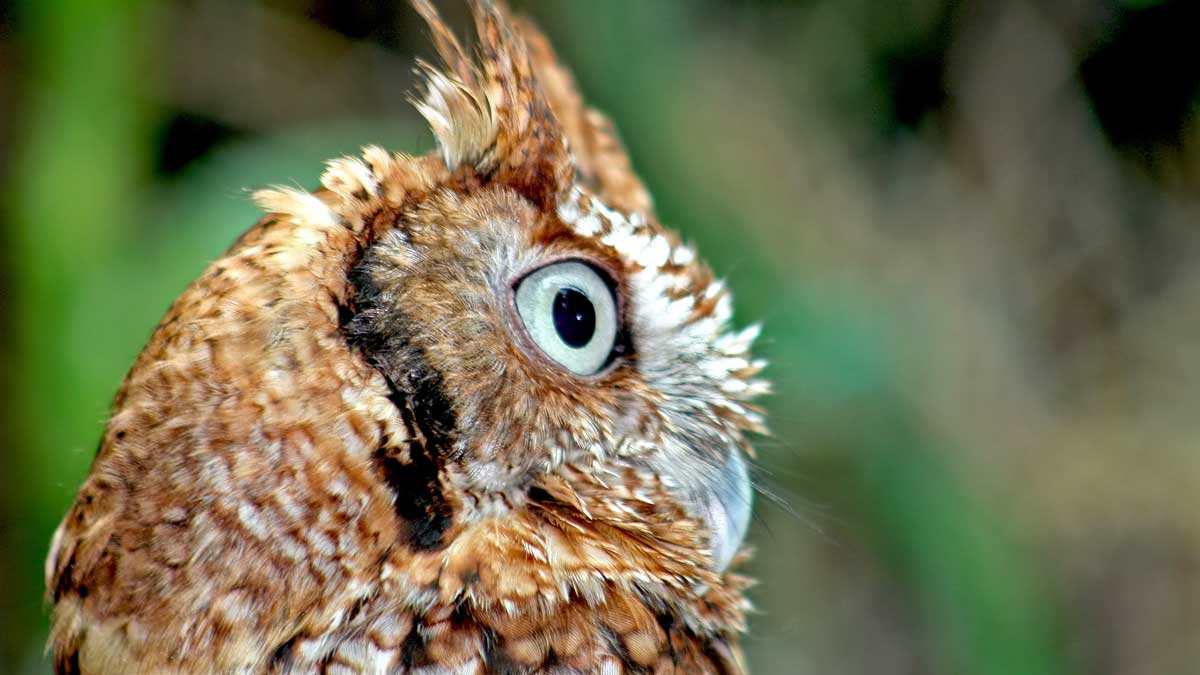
969,226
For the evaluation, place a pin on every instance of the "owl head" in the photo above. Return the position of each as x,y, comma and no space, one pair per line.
571,396
555,351
444,407
475,409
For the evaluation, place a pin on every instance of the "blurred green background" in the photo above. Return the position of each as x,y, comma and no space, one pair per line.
970,226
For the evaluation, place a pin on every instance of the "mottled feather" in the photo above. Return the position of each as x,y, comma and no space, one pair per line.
340,452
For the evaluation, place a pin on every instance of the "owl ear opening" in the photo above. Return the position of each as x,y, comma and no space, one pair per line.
492,117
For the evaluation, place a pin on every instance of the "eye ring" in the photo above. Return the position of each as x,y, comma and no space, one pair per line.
569,310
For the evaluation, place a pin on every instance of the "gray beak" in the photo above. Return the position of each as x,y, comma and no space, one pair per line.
726,504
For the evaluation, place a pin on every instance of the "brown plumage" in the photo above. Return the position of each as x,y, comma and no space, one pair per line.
369,440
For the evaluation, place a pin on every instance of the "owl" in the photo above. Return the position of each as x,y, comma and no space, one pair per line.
469,412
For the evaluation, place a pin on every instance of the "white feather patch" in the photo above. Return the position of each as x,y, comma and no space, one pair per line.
302,206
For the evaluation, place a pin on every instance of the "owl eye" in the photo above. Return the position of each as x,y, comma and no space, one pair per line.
569,312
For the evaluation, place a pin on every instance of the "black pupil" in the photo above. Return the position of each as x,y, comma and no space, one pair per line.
574,317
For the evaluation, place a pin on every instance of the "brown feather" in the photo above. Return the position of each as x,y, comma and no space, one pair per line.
341,450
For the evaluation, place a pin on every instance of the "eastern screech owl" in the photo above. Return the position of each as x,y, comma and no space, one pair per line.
470,412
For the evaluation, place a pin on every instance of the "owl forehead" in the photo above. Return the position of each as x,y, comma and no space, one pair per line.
495,223
664,270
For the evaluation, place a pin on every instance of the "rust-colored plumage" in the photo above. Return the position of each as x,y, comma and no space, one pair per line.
355,444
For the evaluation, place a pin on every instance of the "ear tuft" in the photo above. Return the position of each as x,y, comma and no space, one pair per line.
462,119
493,117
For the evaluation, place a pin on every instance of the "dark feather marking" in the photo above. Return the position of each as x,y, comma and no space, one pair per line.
68,665
412,652
383,335
667,623
496,661
64,581
281,658
419,500
617,648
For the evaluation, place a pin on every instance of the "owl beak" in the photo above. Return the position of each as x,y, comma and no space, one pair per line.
726,509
